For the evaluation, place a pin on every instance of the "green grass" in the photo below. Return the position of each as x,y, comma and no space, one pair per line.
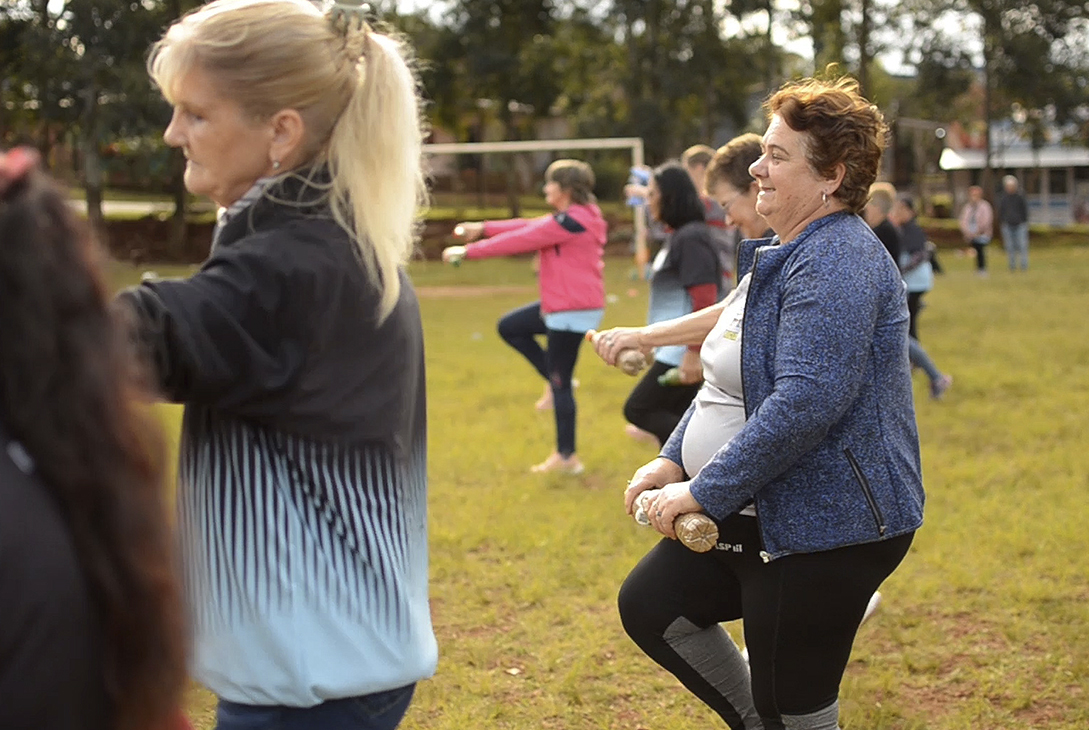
984,626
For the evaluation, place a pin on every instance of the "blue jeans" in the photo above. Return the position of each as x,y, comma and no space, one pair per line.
378,711
1015,239
918,357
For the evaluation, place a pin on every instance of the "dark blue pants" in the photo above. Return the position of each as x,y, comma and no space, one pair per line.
378,711
520,328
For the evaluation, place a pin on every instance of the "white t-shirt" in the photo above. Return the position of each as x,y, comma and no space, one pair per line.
720,403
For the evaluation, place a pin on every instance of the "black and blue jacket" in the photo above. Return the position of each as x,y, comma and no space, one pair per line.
302,491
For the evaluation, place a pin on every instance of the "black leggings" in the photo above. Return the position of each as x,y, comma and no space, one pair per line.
981,255
658,408
800,615
915,303
520,328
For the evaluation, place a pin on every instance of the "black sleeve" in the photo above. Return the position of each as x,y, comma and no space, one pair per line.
886,231
230,333
692,255
568,223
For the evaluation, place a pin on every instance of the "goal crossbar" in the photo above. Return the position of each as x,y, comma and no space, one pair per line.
635,144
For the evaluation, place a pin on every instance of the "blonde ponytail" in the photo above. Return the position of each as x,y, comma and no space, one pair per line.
375,158
358,96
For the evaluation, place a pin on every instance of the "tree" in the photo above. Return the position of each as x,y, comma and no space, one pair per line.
683,78
79,67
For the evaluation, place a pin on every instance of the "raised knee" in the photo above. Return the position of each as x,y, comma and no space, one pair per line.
631,415
632,604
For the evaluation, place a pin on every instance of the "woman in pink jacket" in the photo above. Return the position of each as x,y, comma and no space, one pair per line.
570,243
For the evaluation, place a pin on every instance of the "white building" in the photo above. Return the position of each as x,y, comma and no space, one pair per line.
1054,178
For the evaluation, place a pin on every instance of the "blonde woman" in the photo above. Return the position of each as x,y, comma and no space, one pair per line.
297,350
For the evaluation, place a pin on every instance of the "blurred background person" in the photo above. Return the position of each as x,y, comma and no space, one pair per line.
571,242
977,226
696,160
731,184
92,630
685,276
914,261
882,197
297,350
1013,215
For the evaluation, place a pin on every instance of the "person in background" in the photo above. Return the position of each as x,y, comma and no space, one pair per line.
733,187
696,160
1013,215
914,261
685,277
882,197
297,350
977,226
571,242
92,629
812,469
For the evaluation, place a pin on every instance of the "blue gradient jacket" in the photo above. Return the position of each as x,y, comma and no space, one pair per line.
830,449
302,477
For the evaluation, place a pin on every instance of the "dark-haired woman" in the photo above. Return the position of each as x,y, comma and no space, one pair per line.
91,626
570,242
685,277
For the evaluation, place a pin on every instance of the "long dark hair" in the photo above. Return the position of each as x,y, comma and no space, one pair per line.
68,393
679,201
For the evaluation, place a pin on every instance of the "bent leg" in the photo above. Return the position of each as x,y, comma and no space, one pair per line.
657,408
519,329
671,605
801,615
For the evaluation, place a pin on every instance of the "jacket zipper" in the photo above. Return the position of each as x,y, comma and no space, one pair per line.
865,485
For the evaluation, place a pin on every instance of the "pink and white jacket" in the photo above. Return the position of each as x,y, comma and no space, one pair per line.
571,243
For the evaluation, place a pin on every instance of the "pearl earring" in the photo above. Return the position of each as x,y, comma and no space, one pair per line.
275,164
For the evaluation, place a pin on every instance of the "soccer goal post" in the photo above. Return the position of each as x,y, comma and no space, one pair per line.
635,144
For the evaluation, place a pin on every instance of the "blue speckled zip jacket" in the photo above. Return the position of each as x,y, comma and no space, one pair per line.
830,450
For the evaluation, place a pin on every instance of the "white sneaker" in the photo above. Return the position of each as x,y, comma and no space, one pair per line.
871,606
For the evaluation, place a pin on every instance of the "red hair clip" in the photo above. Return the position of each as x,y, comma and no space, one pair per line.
15,164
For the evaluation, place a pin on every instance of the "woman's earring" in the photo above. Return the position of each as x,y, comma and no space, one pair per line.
275,164
824,197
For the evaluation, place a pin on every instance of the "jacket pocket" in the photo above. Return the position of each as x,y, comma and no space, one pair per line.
866,492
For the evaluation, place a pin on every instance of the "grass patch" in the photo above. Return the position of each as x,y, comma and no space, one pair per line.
983,626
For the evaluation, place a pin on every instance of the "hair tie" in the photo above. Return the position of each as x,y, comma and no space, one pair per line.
15,164
349,19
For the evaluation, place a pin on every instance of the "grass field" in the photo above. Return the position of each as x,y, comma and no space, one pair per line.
985,626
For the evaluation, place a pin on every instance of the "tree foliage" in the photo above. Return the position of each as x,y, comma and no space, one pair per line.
674,72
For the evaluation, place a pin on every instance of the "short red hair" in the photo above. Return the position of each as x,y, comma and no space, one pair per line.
842,127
